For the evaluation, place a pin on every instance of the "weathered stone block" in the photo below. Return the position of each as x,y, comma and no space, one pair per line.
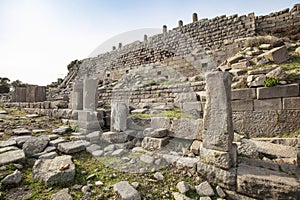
267,104
12,156
218,158
71,147
240,65
160,122
77,96
191,106
154,143
88,121
291,90
114,137
126,191
243,94
186,128
224,178
195,147
59,170
119,114
266,184
242,105
277,55
292,103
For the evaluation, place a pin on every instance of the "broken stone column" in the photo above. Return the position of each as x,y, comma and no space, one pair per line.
195,17
87,118
90,94
119,114
180,23
218,129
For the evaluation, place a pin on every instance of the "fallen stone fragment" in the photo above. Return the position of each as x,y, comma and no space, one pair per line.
35,145
183,186
126,191
178,196
7,143
62,130
13,178
12,156
204,189
9,148
159,176
62,195
71,147
21,131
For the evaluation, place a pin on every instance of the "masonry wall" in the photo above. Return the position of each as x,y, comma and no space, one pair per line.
266,112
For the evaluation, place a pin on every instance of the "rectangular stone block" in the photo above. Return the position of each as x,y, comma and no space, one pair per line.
88,121
224,178
292,103
19,95
190,106
154,143
217,158
291,90
267,104
271,184
242,105
243,94
277,55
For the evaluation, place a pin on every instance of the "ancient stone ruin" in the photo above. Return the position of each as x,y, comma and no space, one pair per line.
216,97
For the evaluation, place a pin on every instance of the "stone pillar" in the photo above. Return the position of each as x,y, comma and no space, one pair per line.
114,48
77,96
218,129
120,45
195,17
119,114
87,118
145,38
180,23
165,29
90,94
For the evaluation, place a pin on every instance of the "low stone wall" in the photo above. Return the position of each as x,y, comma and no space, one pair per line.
266,111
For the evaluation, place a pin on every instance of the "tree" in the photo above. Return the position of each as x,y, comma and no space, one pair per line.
4,85
17,83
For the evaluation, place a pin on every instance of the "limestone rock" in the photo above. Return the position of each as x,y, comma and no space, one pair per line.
71,147
61,169
154,143
278,73
119,113
35,145
57,141
178,196
248,148
9,148
220,192
159,176
183,186
21,131
12,156
156,133
62,195
256,80
93,148
7,143
298,50
147,159
266,184
126,191
195,147
277,55
62,130
93,137
114,137
204,189
13,178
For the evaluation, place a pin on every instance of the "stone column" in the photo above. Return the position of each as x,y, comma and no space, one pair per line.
77,96
87,118
114,48
195,17
165,29
218,129
180,23
120,45
145,38
90,94
119,114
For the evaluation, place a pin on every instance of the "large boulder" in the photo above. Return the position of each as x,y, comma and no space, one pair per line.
61,169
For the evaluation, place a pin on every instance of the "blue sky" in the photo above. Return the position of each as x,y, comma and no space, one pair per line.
38,38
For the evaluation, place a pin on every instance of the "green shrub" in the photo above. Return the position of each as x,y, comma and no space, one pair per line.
270,82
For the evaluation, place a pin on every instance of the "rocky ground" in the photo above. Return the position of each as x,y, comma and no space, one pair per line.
42,159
